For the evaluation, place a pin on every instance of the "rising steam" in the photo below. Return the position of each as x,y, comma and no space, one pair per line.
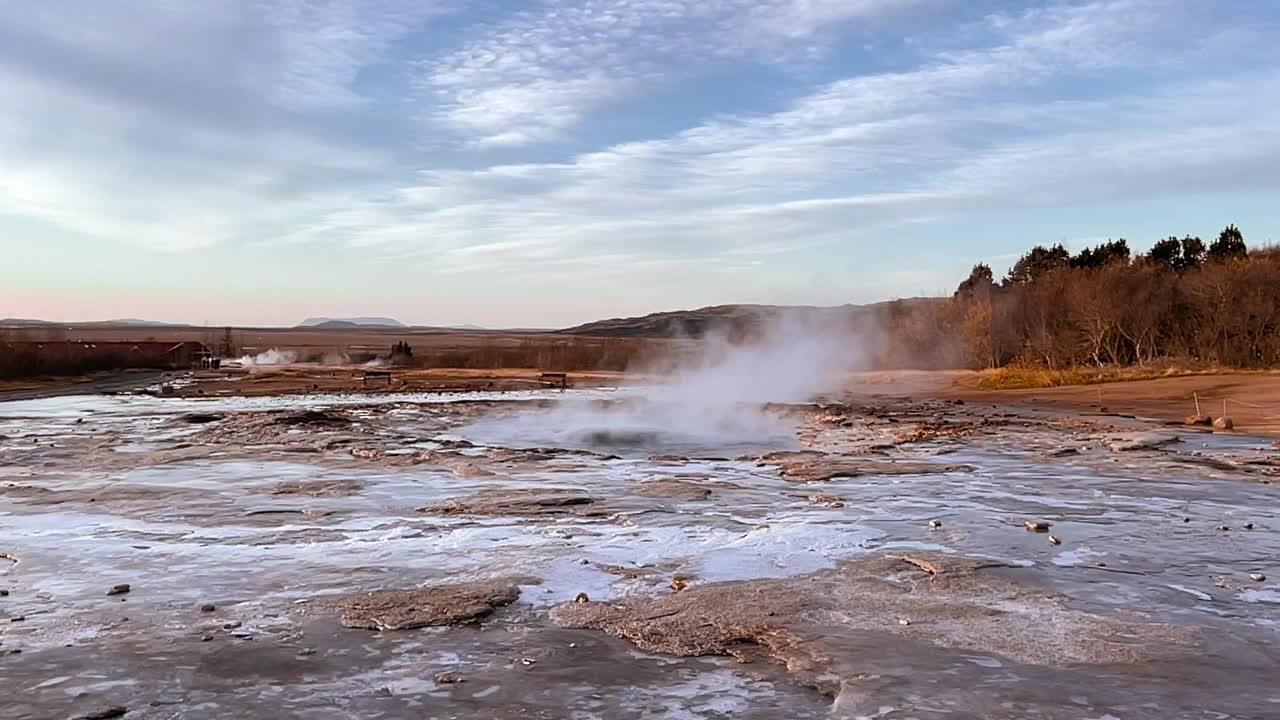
711,401
270,357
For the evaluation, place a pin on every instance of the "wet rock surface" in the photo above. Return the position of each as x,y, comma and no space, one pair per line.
821,468
952,602
1142,441
441,605
248,539
516,502
107,713
318,488
674,489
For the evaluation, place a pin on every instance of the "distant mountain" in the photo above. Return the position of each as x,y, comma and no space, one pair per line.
467,327
324,323
732,319
18,322
122,322
692,323
134,321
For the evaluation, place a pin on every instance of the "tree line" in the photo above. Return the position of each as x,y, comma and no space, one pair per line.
1183,301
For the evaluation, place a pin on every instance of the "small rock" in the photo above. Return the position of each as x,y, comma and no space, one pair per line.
1257,577
573,645
935,524
1224,423
679,583
1222,528
4,593
1186,519
208,607
206,637
1198,420
581,598
1036,526
447,678
1053,540
904,622
17,618
304,652
584,561
527,661
120,589
1248,526
231,625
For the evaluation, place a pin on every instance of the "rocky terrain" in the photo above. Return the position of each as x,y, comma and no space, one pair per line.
458,555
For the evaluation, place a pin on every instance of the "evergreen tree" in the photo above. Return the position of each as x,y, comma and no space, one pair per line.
1036,263
1229,245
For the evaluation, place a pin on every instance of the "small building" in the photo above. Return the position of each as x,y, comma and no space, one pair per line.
70,357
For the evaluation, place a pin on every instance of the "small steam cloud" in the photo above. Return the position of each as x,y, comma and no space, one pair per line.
270,357
335,358
713,400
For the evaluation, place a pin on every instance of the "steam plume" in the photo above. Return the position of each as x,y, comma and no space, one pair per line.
712,400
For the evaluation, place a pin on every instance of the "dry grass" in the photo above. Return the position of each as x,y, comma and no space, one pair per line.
465,350
1026,377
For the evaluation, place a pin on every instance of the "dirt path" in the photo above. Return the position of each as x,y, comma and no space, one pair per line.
1252,400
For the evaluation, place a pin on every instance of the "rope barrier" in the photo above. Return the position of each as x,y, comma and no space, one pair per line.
1228,400
1234,401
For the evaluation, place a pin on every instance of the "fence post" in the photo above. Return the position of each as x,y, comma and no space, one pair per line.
1197,397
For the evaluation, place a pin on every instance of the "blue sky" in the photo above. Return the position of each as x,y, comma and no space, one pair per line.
548,162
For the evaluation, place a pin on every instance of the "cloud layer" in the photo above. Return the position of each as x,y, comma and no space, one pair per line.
628,138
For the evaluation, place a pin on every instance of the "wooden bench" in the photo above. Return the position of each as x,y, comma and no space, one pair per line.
560,380
377,375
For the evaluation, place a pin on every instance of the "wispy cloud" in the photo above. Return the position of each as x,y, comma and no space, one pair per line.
535,75
175,125
955,133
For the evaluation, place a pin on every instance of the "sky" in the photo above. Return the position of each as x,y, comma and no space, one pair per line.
541,163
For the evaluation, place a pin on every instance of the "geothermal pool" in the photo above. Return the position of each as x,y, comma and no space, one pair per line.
793,543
